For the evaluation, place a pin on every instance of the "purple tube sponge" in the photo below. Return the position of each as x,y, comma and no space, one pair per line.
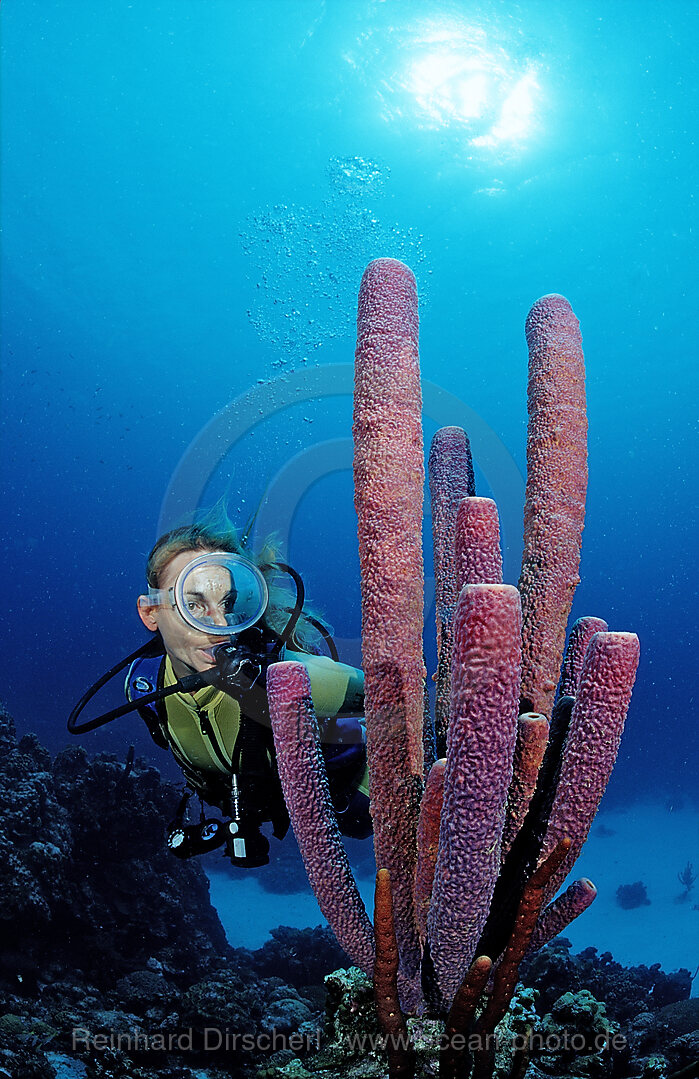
559,914
478,559
388,491
484,704
450,471
554,509
580,636
606,680
307,794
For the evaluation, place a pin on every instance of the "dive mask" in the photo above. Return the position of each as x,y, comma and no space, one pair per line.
217,593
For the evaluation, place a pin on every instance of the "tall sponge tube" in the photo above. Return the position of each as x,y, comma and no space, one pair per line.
389,480
480,751
307,795
554,508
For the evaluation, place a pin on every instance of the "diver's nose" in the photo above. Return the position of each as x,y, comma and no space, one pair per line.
216,617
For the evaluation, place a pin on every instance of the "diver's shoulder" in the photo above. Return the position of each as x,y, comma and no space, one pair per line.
320,663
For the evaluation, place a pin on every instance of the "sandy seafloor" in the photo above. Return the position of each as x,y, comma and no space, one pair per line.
649,843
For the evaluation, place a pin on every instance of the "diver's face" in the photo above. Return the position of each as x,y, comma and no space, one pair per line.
189,649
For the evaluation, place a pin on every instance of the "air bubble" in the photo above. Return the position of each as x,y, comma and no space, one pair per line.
298,250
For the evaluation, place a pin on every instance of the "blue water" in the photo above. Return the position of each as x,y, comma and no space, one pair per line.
190,194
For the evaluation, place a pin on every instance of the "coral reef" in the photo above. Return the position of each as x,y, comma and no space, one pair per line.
629,896
103,934
79,849
302,957
625,990
577,1027
575,1017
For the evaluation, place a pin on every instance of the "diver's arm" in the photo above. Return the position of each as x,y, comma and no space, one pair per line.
337,688
353,703
356,821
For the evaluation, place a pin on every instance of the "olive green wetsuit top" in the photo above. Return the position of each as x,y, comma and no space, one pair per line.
335,688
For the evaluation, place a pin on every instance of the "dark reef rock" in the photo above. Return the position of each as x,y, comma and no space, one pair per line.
630,896
681,1017
626,991
86,881
103,931
576,1034
302,957
650,1010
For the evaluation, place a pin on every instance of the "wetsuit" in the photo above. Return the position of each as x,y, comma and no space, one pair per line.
210,737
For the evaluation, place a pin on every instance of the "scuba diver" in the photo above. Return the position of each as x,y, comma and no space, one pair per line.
218,619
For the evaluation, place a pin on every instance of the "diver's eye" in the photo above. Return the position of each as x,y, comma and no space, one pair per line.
228,604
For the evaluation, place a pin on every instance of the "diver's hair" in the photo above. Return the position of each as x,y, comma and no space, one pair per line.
214,531
185,538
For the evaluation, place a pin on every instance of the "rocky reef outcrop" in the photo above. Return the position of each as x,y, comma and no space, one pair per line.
113,961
